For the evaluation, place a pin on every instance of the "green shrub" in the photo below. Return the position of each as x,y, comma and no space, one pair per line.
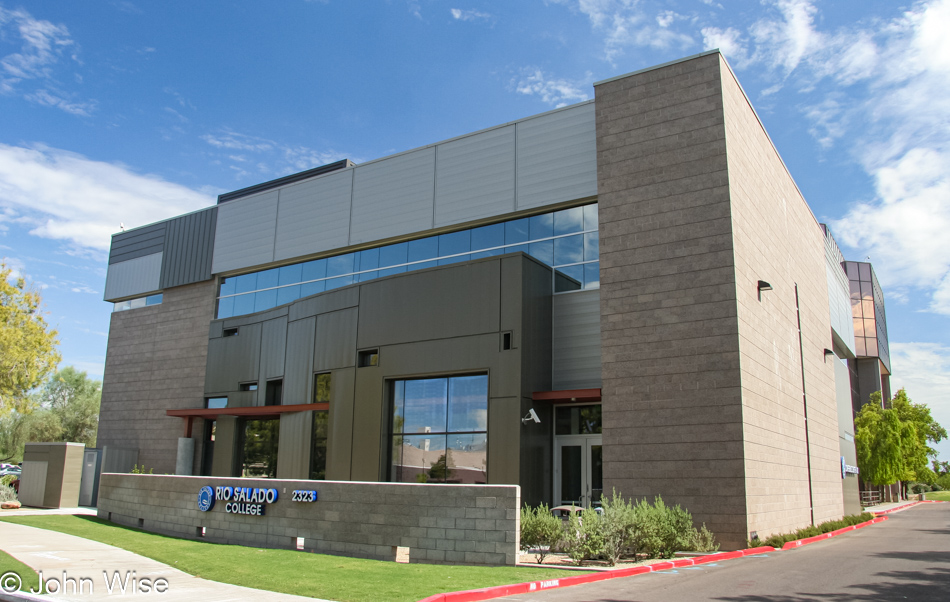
7,494
8,479
584,537
666,529
141,470
776,541
703,540
540,530
620,528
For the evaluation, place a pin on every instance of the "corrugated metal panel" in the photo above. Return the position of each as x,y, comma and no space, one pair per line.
393,197
189,241
557,157
314,216
273,345
475,177
336,340
298,366
576,340
133,277
244,235
137,243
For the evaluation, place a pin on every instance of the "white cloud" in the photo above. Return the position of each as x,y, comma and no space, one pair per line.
42,45
281,158
554,91
470,15
785,42
65,196
628,24
47,98
728,41
923,369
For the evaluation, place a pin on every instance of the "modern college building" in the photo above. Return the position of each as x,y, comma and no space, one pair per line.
625,294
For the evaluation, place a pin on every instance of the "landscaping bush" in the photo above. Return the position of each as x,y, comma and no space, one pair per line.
779,540
584,537
540,530
624,529
620,528
776,541
8,479
7,494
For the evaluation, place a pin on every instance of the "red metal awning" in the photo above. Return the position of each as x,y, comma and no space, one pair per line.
567,396
255,411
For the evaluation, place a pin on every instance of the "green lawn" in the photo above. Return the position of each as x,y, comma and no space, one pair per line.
288,571
30,581
943,496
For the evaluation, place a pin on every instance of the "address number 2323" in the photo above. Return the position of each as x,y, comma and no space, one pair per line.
301,495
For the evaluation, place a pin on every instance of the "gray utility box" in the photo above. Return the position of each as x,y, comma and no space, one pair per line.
51,475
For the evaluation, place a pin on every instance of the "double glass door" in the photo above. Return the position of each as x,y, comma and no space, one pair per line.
578,470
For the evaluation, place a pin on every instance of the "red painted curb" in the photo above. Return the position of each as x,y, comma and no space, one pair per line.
487,593
790,545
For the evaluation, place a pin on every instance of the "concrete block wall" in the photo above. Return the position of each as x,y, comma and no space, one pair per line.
778,239
464,524
672,403
155,361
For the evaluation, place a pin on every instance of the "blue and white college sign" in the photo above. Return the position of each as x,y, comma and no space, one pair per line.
205,498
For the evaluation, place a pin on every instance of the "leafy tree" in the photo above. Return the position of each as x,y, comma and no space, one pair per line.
66,408
892,442
73,398
27,344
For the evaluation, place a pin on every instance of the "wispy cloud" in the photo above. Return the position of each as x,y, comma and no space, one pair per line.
68,197
626,24
554,91
923,369
470,15
42,45
269,156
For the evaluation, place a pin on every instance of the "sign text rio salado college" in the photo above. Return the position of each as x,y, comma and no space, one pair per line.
246,500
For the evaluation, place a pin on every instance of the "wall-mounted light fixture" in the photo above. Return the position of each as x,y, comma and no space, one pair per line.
763,286
827,353
531,416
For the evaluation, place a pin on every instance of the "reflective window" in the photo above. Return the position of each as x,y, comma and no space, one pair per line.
259,448
216,403
439,430
577,420
318,446
137,303
566,240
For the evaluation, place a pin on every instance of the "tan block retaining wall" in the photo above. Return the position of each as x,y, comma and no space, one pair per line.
467,524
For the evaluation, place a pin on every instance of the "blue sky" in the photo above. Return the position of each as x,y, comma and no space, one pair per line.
130,112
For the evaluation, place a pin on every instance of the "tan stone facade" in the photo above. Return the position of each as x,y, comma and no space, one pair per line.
156,361
702,382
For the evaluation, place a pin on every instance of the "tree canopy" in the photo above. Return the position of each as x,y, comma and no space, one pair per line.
66,408
27,344
892,442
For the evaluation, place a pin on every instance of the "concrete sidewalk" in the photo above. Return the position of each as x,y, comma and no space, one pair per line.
58,554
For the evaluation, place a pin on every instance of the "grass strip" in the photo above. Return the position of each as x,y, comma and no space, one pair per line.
29,580
940,496
289,571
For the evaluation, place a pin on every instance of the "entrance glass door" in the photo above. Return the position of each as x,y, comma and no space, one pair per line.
578,471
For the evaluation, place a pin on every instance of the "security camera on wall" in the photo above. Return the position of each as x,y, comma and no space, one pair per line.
531,416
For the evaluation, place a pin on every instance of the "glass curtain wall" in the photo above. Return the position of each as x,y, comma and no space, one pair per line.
440,430
566,240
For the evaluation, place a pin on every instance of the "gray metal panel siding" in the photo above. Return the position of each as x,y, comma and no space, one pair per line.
557,157
393,197
233,360
273,345
314,216
137,243
475,177
299,363
336,340
133,277
244,235
576,342
189,242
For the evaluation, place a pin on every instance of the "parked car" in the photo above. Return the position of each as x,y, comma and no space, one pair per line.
13,469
